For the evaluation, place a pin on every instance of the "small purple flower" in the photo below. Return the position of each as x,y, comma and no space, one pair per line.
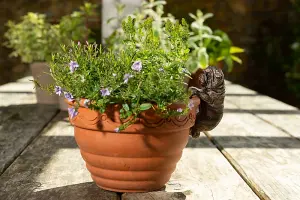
127,77
161,69
86,103
191,105
72,112
117,130
73,66
58,90
105,92
137,66
114,75
69,96
78,43
179,110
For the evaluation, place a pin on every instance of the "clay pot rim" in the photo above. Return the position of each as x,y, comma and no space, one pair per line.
196,100
145,117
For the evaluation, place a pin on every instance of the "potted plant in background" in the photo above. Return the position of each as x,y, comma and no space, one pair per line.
34,39
131,109
30,39
210,47
207,47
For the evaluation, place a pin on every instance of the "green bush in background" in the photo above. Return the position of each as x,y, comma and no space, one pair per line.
35,39
207,47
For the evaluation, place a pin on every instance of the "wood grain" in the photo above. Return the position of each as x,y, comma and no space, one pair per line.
268,157
277,113
20,120
51,168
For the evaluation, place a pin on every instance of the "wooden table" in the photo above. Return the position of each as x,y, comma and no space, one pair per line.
253,154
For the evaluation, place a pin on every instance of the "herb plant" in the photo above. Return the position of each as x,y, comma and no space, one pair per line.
200,37
31,38
35,39
223,50
149,9
207,47
145,74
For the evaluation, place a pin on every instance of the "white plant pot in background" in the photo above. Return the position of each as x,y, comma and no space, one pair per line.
62,104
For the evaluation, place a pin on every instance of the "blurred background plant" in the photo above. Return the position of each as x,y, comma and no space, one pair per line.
210,47
75,26
34,38
207,47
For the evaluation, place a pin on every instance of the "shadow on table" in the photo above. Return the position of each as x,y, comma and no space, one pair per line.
161,195
262,111
89,191
86,191
243,95
247,142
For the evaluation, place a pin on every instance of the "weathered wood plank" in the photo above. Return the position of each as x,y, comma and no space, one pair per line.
20,119
279,114
269,158
20,92
202,173
19,125
51,168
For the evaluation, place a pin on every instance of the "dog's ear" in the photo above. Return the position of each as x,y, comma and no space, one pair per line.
196,81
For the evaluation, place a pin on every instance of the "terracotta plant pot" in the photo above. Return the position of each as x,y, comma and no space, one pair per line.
139,159
41,71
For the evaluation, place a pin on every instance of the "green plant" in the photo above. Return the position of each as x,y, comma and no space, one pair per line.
35,39
149,9
142,75
207,47
74,26
223,50
30,38
200,38
210,47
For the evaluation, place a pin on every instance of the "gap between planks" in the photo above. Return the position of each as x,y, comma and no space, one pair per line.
254,187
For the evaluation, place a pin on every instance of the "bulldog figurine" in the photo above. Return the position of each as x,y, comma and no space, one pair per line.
208,84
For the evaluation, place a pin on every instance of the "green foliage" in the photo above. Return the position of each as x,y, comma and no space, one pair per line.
200,37
73,26
207,47
152,9
110,77
35,39
223,50
31,38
